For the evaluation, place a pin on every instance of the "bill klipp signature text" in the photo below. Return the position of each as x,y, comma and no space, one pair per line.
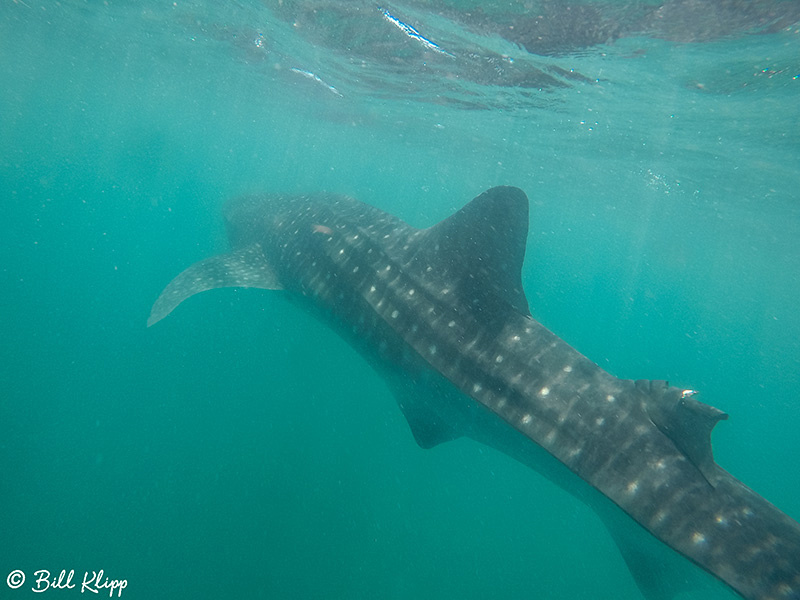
92,581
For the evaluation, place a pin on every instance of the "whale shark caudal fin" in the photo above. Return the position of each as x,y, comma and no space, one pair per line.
246,267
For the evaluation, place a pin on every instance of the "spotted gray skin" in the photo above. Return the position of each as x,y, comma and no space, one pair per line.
441,314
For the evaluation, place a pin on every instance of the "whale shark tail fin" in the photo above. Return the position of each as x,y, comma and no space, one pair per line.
247,267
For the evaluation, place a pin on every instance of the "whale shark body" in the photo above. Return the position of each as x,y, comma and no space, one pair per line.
442,315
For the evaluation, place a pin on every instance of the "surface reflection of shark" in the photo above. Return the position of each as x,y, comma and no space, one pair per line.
442,315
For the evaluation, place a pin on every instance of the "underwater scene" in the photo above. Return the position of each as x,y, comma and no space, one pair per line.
243,447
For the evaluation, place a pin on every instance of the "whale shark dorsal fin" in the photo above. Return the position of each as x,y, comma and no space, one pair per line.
481,248
246,267
687,422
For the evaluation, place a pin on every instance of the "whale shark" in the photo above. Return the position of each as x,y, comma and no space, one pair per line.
442,315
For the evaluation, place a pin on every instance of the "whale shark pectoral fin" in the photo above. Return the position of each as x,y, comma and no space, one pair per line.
652,566
247,267
687,422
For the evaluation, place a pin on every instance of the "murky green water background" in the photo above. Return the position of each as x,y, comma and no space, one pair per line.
241,450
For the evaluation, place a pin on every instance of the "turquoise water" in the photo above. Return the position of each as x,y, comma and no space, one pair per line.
241,450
